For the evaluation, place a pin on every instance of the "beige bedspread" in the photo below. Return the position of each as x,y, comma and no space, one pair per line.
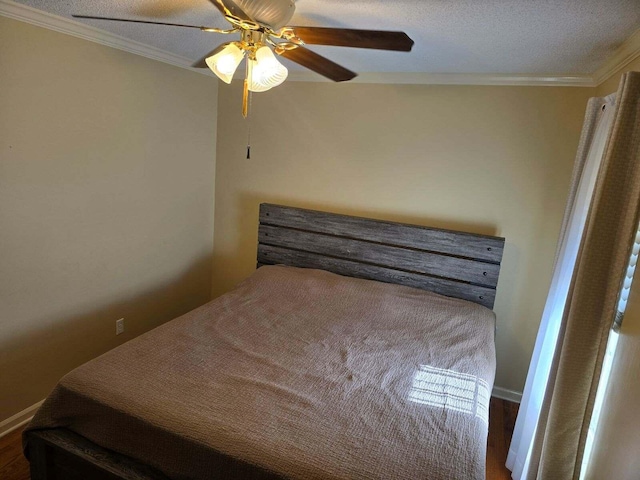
304,373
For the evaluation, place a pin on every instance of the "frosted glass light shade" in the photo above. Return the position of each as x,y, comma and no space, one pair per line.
266,71
225,61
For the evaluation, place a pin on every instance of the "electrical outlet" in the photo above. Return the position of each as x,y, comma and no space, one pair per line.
119,326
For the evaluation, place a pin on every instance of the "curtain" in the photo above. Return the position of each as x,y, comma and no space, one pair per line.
590,149
598,230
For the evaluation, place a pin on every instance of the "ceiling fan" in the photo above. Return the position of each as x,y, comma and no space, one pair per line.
261,24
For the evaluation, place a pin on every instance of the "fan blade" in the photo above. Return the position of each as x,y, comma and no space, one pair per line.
347,37
319,64
139,21
230,9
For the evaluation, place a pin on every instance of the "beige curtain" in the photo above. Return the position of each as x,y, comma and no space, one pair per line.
595,133
593,296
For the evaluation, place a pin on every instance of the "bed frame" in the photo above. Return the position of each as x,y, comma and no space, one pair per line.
451,263
455,264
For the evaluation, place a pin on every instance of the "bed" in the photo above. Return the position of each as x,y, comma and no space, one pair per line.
358,349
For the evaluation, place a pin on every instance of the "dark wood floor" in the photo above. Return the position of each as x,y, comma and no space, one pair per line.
502,416
13,466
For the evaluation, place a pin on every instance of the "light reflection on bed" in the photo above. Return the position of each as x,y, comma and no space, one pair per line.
461,392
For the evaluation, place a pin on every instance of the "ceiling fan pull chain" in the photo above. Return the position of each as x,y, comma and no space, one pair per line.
246,104
249,128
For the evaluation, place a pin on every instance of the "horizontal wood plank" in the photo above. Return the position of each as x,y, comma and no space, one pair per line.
270,255
70,454
481,247
417,261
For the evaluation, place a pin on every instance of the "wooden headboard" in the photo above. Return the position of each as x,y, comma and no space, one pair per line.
455,264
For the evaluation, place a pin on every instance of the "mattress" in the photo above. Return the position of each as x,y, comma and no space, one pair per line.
299,374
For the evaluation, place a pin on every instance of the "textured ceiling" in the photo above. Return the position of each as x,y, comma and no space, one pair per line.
542,37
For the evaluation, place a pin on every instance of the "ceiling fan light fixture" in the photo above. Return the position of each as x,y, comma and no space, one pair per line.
224,62
265,71
261,24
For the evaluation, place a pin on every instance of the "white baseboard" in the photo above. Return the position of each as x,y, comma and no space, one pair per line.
505,394
19,419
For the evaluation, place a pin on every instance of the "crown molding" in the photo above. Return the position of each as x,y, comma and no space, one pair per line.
623,56
419,78
40,18
628,52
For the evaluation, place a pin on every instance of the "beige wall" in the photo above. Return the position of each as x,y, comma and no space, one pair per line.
617,439
493,160
106,201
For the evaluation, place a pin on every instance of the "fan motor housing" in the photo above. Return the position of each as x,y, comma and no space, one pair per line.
272,13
